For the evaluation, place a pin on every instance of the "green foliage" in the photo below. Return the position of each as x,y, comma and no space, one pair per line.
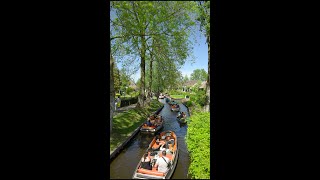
198,144
116,78
199,74
173,91
129,90
203,16
197,98
189,103
140,29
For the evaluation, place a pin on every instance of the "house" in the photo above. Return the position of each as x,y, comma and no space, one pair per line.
133,86
192,83
203,85
187,85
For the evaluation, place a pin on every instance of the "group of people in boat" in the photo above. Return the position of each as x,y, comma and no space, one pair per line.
175,105
165,146
182,115
154,120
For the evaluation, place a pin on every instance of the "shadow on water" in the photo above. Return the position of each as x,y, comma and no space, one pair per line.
123,166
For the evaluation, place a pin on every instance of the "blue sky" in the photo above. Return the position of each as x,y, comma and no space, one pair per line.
200,52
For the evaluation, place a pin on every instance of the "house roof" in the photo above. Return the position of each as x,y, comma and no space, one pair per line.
190,83
203,85
133,85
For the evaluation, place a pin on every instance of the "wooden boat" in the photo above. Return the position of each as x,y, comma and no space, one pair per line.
181,120
172,154
146,128
175,107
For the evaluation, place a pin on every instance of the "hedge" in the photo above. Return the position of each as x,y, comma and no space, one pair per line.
198,144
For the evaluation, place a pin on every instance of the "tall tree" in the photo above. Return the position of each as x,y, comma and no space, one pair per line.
204,19
112,91
116,78
199,74
141,22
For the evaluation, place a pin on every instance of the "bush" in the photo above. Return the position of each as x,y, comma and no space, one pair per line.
198,144
189,103
199,98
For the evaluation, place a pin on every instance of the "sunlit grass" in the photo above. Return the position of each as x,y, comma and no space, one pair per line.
177,96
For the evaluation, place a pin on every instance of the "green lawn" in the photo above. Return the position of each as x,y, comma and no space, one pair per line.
177,96
125,123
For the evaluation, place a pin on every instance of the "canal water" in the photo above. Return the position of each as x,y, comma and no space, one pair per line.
123,166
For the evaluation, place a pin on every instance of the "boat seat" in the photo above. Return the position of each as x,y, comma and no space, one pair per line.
150,172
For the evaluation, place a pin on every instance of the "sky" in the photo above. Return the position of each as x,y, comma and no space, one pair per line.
200,53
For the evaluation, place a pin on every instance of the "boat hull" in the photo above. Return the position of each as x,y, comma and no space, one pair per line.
175,109
181,120
151,130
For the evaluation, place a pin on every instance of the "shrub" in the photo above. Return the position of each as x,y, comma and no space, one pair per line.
198,144
189,103
199,98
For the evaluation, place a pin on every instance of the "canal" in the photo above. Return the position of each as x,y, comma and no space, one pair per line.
123,166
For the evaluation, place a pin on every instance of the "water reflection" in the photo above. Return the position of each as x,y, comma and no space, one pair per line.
144,139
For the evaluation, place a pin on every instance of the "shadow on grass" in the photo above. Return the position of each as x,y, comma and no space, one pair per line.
126,122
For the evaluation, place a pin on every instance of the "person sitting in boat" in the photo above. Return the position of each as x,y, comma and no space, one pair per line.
165,145
158,143
146,162
152,121
183,115
158,120
162,163
149,123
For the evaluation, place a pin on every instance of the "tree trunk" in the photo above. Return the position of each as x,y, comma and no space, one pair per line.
208,81
150,82
141,97
112,93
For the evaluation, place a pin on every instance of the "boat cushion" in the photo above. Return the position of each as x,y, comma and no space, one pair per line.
146,171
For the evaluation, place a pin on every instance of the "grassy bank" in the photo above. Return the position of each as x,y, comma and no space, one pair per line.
198,143
125,123
177,96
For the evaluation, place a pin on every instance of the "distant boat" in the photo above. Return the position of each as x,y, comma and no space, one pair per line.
175,107
181,120
172,154
152,129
